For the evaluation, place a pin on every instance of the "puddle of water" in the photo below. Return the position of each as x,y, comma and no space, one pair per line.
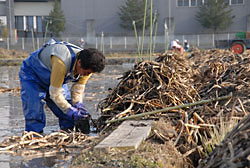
12,119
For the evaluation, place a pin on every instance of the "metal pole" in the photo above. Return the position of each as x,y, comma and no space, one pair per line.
8,43
125,42
198,40
10,20
37,42
33,40
169,15
111,43
213,40
23,43
46,28
102,43
96,45
166,35
183,38
156,25
151,29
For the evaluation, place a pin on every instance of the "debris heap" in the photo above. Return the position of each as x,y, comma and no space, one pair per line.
151,85
219,72
171,80
31,142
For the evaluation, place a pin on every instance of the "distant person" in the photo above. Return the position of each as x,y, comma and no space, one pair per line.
44,76
178,41
186,46
175,46
82,43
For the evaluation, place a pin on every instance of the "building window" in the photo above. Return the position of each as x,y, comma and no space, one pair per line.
186,3
180,3
39,23
3,20
29,23
226,1
190,3
31,0
199,2
19,22
193,2
183,3
169,21
234,2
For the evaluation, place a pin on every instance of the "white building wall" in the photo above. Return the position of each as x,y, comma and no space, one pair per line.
33,9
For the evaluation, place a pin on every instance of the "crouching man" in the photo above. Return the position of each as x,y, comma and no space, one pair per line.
44,76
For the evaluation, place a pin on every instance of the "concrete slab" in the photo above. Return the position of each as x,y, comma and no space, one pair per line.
128,135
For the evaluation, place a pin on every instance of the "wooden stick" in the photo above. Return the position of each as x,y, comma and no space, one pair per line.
178,137
192,126
198,117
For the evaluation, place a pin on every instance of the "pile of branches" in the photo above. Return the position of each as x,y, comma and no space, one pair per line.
171,80
234,150
32,141
151,85
218,72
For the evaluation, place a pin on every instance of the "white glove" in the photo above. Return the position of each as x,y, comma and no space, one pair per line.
56,94
77,92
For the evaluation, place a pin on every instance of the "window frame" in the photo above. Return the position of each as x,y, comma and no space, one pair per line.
182,4
237,3
19,22
39,23
29,23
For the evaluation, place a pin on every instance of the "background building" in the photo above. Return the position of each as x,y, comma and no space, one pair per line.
91,17
30,17
98,23
25,18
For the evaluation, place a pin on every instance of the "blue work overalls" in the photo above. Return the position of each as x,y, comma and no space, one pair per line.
35,81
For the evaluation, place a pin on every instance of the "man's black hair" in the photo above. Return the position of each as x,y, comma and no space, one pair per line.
92,59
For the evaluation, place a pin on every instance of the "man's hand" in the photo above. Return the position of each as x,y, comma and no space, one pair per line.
76,114
80,106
